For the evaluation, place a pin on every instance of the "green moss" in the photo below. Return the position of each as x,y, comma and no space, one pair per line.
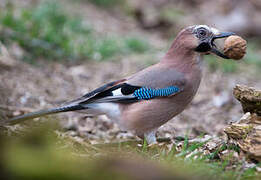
247,129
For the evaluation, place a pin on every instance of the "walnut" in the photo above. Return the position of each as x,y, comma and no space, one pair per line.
235,47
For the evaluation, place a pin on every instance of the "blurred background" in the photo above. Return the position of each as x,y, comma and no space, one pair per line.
55,51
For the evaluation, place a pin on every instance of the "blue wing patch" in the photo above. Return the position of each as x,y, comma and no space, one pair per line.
149,93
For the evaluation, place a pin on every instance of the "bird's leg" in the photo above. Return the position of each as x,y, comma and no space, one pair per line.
151,137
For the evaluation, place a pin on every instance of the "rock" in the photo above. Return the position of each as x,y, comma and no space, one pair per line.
246,133
5,59
250,98
247,136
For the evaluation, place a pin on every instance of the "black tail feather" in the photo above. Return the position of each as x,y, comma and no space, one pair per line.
45,112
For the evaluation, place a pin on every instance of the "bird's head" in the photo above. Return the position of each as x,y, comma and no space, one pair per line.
200,39
206,37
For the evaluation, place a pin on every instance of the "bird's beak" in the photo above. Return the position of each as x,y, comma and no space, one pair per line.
219,35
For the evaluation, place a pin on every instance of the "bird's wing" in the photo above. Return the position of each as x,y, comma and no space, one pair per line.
100,90
146,85
127,93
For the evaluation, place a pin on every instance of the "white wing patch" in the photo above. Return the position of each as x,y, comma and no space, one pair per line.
117,92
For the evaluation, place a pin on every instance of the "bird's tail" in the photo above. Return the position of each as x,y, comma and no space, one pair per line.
36,114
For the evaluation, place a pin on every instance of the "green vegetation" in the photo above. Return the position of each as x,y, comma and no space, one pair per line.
252,57
107,3
136,45
44,154
48,32
196,164
227,66
172,14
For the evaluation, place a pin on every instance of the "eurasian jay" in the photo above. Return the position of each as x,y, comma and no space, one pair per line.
148,99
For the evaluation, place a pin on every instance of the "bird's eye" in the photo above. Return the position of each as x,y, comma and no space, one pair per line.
202,33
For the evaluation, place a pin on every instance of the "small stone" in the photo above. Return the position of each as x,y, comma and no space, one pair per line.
258,169
211,146
5,59
245,118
